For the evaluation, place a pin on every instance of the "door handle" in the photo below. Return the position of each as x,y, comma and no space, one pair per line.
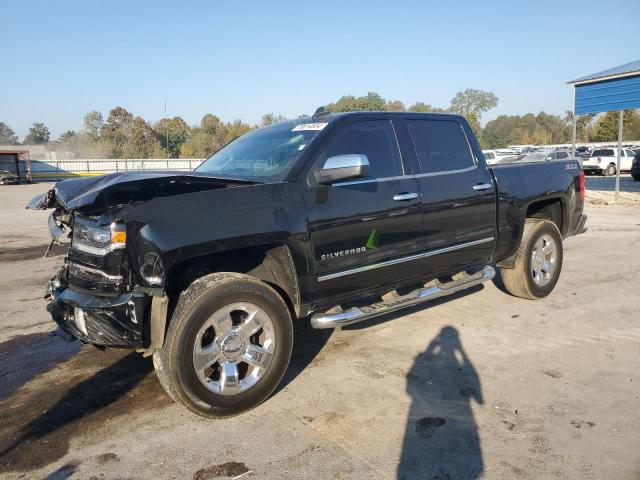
482,186
401,197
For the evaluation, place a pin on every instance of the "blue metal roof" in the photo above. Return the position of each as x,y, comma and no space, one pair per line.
609,95
627,68
610,90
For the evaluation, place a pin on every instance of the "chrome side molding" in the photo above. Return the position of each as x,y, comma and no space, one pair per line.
430,291
395,261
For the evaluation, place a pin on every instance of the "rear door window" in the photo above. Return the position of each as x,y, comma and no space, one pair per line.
607,152
441,145
562,155
374,138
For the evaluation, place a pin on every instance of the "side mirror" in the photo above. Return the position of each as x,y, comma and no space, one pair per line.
342,167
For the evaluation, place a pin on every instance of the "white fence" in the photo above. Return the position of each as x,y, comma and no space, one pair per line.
54,169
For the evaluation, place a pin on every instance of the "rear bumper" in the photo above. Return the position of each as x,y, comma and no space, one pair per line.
104,321
592,168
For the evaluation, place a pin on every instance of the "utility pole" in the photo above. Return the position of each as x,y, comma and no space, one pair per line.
167,129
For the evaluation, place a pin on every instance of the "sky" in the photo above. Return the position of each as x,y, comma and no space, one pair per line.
241,59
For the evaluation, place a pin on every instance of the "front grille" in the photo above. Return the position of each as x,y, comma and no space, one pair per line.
94,280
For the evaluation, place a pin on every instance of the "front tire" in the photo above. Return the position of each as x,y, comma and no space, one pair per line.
227,347
538,261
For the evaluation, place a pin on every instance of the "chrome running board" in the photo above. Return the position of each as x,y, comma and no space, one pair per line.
434,289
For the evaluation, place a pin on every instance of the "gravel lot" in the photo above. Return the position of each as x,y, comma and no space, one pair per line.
602,190
482,385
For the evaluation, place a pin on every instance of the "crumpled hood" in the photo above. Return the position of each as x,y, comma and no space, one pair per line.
94,194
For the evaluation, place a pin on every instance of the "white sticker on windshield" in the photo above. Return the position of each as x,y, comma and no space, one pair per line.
309,126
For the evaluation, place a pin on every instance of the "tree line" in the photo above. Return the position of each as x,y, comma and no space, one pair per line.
123,135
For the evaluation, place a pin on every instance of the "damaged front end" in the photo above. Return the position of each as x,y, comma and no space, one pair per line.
110,292
94,297
102,321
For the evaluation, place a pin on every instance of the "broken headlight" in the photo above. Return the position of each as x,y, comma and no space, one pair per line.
97,240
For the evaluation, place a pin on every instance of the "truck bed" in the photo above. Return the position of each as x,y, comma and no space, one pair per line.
521,184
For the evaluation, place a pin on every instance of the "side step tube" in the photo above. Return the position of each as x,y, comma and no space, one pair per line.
429,292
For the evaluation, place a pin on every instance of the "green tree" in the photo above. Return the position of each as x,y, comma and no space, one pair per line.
141,141
424,107
115,132
38,134
371,102
7,136
212,135
175,130
605,128
93,122
526,129
583,124
236,129
472,101
395,106
67,136
269,118
472,118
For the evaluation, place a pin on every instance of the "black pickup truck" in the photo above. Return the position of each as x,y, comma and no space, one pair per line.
335,218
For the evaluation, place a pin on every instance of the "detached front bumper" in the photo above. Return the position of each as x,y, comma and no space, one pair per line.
103,321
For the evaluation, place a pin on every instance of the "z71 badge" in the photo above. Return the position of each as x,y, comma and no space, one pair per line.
343,253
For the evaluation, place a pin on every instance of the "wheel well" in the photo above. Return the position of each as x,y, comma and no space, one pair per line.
272,264
551,209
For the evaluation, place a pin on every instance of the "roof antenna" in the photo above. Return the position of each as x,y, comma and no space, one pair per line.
319,114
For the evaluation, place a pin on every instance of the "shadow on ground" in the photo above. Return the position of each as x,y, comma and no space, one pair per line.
307,344
441,438
27,356
88,390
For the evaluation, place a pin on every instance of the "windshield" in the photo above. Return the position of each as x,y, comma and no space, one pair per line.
264,153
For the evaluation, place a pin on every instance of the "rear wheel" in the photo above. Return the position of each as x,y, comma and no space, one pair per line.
538,261
227,347
610,171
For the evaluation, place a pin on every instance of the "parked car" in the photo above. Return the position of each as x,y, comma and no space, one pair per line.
635,167
494,156
559,154
604,161
583,151
528,157
8,178
336,218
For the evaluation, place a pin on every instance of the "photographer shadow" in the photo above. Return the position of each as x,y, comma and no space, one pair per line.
441,438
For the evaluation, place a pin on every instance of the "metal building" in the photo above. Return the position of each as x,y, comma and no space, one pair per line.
15,163
615,89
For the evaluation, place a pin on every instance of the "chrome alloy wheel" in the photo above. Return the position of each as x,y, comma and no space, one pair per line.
234,348
544,257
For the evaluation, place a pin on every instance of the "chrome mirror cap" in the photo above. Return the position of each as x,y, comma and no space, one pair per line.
342,167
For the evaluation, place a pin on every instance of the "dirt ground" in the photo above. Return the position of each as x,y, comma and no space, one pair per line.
602,190
482,385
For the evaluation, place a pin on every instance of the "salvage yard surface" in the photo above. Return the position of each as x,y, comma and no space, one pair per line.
602,190
480,385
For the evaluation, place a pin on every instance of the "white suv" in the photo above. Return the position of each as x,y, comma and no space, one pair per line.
603,160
